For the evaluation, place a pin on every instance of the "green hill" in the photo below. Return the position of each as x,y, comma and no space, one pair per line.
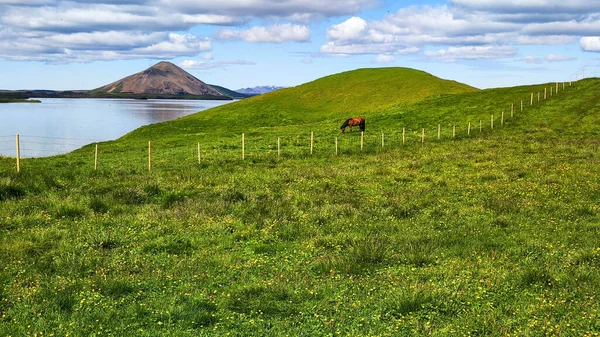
359,91
365,92
489,233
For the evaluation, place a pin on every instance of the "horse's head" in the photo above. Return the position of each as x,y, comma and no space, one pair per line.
345,125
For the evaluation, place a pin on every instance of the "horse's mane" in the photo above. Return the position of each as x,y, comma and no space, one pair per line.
346,123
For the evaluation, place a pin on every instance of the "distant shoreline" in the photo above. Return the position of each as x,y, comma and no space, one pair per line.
3,100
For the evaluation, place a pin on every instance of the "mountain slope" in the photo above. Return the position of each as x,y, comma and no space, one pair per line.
229,92
164,78
360,92
259,90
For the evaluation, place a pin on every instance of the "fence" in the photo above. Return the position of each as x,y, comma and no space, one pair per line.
336,145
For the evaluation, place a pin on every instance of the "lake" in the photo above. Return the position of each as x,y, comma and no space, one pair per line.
61,125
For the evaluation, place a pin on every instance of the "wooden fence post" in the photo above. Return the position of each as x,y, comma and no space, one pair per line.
403,135
336,146
198,152
312,138
545,92
453,131
439,131
502,119
96,158
149,156
243,147
521,105
362,139
538,96
512,109
469,130
480,126
382,140
18,149
551,89
492,121
531,99
423,136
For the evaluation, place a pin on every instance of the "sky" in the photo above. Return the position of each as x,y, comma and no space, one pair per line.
85,44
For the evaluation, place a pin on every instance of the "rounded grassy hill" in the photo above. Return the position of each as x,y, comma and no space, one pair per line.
334,98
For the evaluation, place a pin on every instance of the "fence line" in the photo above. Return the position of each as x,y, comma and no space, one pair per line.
390,135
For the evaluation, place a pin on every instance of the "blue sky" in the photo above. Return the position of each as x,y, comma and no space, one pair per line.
84,44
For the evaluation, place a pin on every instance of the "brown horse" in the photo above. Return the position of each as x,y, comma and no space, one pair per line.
353,122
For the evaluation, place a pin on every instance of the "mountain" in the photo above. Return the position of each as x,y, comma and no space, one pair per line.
162,80
259,90
229,92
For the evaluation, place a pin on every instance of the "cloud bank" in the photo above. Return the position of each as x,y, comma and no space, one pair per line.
60,31
470,29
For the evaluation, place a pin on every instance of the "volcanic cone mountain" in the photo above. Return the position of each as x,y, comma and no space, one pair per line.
162,79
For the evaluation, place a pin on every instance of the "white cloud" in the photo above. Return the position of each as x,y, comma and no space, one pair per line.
385,58
272,34
590,43
86,47
81,30
533,60
545,39
298,9
558,58
192,64
187,45
549,58
477,27
349,30
113,39
307,60
472,52
572,27
520,6
361,49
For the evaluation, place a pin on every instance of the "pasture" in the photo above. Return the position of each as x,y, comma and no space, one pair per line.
489,234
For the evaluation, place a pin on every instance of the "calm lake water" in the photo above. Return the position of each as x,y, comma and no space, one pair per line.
61,125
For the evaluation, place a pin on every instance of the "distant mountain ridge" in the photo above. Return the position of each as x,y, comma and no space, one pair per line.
162,80
258,90
229,92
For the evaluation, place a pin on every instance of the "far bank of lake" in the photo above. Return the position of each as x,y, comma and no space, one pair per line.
61,125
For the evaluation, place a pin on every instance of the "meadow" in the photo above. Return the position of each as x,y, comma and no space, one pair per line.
492,233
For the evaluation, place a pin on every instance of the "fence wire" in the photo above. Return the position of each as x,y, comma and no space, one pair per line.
261,146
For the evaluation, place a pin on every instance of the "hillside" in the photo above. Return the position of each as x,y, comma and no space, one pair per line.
365,92
490,233
229,92
357,91
164,79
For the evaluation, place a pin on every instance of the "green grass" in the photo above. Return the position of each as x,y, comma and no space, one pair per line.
489,234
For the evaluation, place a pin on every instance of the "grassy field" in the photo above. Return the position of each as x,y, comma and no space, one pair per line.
493,233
